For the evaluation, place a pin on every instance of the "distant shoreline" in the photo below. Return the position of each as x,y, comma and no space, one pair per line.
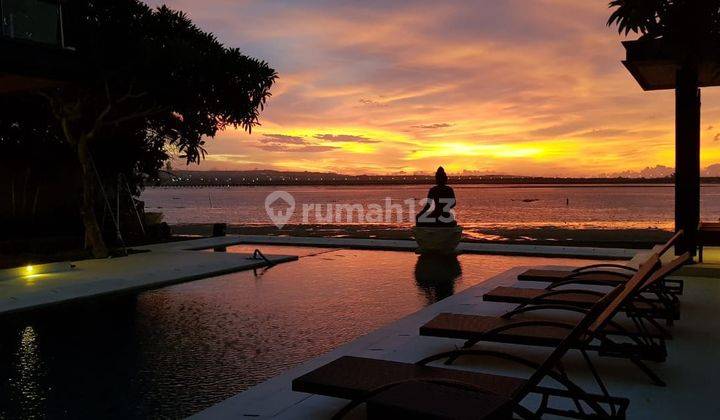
504,184
457,185
275,178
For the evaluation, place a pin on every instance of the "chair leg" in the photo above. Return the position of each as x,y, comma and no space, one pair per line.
652,375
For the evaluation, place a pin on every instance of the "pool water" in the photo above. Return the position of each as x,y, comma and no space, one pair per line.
174,351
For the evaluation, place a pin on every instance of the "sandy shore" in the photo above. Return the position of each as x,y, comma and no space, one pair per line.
547,235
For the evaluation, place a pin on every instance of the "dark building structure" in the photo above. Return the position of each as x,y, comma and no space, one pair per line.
38,187
655,67
33,51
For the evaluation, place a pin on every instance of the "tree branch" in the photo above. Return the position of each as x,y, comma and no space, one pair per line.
130,117
99,121
130,93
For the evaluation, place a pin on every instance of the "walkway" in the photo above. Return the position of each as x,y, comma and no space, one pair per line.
49,284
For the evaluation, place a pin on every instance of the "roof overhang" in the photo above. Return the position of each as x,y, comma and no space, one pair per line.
652,64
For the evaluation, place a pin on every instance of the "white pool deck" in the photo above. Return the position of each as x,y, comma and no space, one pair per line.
692,370
50,284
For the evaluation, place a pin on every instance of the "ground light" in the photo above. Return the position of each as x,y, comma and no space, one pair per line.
31,273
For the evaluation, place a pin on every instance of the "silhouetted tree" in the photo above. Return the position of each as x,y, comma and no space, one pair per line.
149,71
33,147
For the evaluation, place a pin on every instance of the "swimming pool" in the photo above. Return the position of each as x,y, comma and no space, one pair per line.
174,351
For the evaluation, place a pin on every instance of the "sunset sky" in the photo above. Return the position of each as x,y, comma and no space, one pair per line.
527,87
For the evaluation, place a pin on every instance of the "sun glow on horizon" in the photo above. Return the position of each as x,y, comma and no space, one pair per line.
454,150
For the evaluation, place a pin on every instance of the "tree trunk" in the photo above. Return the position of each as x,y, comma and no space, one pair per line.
687,157
93,233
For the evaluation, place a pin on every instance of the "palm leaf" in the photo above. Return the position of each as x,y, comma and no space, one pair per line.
638,16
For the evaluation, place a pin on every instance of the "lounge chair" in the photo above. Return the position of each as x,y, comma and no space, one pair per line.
708,234
605,273
428,400
388,388
643,344
662,306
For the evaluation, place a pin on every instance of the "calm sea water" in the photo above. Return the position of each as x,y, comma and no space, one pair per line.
171,352
611,207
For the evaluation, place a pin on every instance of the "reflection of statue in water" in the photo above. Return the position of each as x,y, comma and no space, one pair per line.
435,276
441,202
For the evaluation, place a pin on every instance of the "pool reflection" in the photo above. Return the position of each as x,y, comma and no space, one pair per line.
435,276
171,352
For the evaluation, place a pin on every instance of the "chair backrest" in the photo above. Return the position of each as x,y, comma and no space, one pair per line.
671,242
568,342
666,269
596,317
630,288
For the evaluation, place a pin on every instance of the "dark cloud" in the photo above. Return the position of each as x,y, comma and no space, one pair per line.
292,144
371,102
432,126
282,139
604,133
559,130
295,149
345,138
316,149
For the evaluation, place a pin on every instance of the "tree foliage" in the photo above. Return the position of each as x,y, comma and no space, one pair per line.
678,21
151,81
158,67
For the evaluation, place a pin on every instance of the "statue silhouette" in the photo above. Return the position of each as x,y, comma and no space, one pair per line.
441,201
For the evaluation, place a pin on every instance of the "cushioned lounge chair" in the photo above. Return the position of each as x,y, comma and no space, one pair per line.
387,386
605,273
516,327
660,305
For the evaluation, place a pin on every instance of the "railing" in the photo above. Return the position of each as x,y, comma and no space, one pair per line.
33,20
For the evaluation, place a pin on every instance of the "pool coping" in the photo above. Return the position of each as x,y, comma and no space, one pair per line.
559,251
